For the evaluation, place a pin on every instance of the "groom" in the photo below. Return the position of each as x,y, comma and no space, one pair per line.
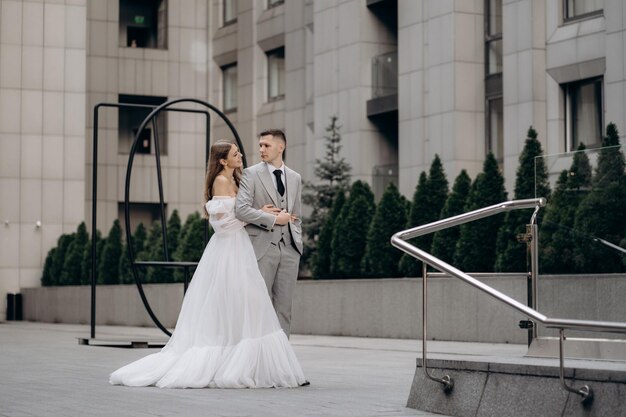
276,237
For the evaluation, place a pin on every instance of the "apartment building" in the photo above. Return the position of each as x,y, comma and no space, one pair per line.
408,79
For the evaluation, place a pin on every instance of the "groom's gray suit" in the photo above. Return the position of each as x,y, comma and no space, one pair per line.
277,248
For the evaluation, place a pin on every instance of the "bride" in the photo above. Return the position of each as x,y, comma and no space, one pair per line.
227,334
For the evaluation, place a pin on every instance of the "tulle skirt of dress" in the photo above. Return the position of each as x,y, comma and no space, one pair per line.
227,334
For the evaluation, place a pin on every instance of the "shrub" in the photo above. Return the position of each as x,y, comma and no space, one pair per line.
350,234
381,259
531,181
476,248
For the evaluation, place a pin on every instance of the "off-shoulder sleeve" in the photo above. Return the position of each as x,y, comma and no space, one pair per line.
217,206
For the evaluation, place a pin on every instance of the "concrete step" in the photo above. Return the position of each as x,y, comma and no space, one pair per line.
519,387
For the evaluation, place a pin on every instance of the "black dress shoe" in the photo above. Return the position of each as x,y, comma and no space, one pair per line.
305,384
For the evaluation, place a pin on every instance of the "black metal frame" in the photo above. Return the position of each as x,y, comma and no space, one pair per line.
134,264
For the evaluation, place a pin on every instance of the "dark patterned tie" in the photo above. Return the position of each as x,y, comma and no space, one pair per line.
279,182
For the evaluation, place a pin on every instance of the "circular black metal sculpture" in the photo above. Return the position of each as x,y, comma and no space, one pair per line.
151,118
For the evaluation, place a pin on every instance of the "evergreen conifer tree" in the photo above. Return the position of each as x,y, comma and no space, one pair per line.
109,268
72,265
153,251
556,244
138,239
579,175
476,248
350,233
531,180
600,215
557,237
408,265
381,259
56,272
173,233
428,201
321,259
444,241
46,277
333,176
157,252
191,244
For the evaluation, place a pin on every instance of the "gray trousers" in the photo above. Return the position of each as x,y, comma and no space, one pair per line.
279,267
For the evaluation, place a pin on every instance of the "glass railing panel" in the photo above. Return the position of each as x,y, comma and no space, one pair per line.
385,75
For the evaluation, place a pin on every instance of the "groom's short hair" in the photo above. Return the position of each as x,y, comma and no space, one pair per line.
277,133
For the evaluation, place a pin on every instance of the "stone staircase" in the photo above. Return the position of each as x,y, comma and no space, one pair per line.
525,386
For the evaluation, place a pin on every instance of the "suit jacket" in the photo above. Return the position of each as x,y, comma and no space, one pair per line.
256,190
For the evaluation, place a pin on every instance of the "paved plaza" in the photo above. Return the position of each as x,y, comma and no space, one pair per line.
45,372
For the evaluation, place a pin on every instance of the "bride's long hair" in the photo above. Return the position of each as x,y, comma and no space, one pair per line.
219,150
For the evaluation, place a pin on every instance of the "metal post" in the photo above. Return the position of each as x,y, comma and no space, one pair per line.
447,381
94,193
534,266
186,283
585,391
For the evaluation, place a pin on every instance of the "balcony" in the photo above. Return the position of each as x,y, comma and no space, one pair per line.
384,85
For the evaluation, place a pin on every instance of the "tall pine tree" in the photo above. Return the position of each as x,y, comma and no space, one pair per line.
191,245
557,238
173,233
72,265
321,259
58,263
531,181
409,266
476,248
138,239
109,268
428,201
599,217
444,241
332,175
153,251
350,233
46,277
381,259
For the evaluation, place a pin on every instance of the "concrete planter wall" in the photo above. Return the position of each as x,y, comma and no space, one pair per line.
366,307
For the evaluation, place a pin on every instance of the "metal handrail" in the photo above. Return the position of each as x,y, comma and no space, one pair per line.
399,241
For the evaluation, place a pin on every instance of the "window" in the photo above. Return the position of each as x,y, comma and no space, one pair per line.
274,3
583,113
493,37
495,128
276,74
229,14
576,9
229,85
131,117
143,23
146,213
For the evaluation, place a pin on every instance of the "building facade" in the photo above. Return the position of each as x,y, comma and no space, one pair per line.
408,79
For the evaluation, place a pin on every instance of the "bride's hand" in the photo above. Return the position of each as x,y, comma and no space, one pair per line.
269,208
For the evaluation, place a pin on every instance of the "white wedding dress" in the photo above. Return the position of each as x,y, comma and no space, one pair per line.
227,334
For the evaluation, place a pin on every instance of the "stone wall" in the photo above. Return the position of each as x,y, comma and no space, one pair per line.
366,307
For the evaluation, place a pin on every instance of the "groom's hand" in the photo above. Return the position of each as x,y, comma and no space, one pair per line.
283,218
269,208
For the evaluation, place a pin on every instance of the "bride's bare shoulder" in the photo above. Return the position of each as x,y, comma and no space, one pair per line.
222,186
220,180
